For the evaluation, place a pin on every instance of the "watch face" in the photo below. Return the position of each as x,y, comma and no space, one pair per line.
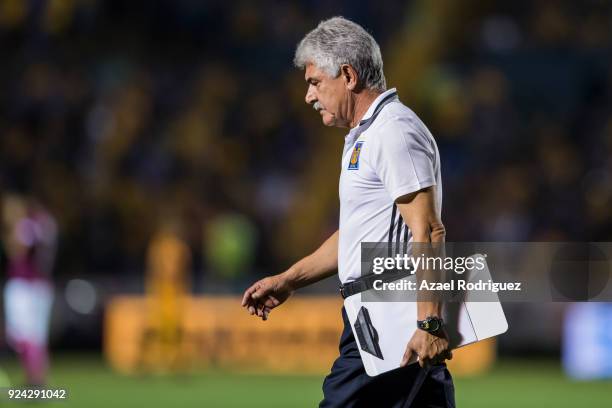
433,325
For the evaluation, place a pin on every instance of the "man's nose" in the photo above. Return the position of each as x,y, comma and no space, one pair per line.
310,97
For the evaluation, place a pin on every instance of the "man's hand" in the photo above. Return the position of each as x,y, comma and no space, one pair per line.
266,294
430,348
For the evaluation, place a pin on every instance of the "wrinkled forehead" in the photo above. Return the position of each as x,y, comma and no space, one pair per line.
312,72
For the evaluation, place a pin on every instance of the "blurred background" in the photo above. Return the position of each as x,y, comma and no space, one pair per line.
157,157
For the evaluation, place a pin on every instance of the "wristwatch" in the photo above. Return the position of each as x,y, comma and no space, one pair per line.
431,324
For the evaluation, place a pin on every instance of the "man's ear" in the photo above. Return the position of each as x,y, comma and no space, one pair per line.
349,75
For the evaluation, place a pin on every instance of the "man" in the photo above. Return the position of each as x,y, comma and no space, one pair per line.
390,190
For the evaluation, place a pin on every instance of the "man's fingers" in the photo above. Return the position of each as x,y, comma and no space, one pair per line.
270,302
422,362
426,357
260,290
263,311
406,358
256,291
247,295
445,355
426,353
258,300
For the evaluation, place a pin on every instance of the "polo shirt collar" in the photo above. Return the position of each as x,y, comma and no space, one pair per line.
380,99
370,114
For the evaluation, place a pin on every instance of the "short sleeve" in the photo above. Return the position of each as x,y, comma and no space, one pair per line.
403,157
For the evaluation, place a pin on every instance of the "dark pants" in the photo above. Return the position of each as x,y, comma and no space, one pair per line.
348,385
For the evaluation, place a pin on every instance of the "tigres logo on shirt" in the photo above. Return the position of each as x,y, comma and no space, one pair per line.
354,163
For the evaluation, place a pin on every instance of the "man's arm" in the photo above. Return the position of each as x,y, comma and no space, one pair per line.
319,265
419,211
270,292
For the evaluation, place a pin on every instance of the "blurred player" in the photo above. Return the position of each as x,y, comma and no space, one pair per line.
30,238
168,263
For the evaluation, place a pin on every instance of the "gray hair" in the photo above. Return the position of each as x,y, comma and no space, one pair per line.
339,41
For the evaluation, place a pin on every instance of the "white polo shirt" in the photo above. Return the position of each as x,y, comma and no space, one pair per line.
390,153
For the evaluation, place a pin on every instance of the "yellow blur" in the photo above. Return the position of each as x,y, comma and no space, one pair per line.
301,337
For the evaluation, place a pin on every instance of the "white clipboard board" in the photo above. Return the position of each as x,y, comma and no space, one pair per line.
394,324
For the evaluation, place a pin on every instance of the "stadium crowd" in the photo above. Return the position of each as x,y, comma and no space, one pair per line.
120,115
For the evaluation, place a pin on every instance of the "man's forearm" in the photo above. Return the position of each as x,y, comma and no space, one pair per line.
319,265
420,213
433,239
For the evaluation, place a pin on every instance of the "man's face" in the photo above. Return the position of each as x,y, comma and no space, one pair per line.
328,95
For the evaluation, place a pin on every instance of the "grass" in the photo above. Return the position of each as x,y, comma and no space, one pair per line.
531,384
91,383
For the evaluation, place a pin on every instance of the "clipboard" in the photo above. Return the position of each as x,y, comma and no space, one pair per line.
382,329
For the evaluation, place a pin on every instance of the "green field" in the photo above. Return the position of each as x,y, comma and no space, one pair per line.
511,384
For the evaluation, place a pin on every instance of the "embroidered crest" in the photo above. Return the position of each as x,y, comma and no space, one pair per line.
354,162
